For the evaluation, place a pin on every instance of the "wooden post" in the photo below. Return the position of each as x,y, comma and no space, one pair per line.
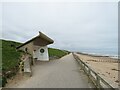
21,67
89,75
98,81
89,72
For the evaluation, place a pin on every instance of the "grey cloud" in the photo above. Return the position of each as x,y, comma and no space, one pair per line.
73,26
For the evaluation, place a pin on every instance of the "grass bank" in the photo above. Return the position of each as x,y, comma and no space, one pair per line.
57,53
11,58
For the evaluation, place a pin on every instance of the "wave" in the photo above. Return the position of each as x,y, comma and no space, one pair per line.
115,56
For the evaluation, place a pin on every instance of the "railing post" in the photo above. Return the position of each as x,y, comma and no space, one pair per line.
89,72
84,68
98,81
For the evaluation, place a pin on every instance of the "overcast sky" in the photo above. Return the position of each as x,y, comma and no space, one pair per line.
72,25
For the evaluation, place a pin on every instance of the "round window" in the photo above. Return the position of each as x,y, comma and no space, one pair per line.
42,50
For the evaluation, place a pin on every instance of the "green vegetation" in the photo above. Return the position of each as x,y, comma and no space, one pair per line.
0,56
10,58
56,53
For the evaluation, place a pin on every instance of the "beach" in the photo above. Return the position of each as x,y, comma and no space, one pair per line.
105,67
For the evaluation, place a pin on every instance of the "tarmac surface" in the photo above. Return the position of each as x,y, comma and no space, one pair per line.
62,73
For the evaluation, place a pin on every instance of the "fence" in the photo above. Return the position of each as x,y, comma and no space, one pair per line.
93,76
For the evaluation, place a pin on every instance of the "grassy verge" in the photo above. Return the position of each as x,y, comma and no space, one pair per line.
56,53
11,57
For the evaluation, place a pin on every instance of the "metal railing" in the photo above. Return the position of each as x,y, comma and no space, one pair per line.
93,76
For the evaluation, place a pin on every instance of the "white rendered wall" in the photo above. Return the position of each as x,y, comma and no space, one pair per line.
41,56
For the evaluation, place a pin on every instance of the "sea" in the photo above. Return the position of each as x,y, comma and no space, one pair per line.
110,53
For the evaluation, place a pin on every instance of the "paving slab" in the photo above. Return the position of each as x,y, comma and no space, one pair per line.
60,73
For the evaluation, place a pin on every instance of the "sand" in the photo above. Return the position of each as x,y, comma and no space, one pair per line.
104,66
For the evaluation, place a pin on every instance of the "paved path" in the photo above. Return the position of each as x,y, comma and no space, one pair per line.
62,73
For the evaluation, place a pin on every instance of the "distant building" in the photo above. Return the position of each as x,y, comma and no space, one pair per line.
37,47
